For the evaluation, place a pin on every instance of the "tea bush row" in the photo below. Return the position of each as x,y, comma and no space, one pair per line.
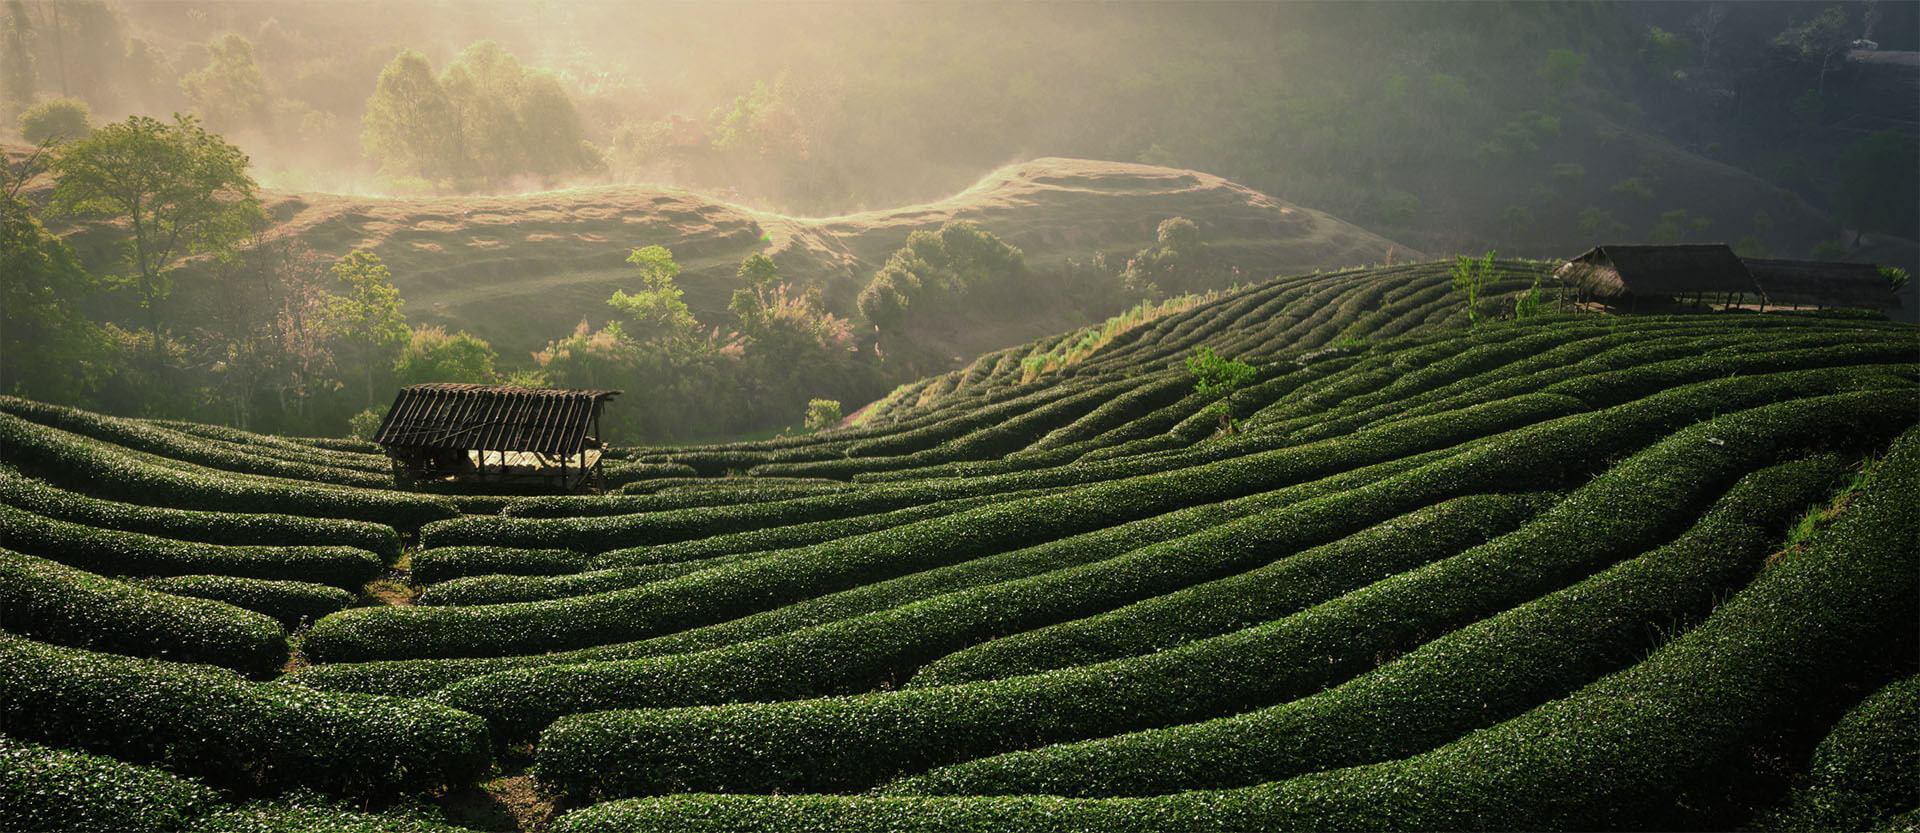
55,603
44,499
291,602
215,725
842,743
133,553
1618,754
1479,675
66,458
1240,601
43,789
1862,775
419,632
436,565
175,445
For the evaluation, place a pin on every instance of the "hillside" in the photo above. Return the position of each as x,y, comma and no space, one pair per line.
520,270
1570,571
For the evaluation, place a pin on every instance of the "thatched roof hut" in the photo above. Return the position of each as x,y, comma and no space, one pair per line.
1809,283
1668,272
494,433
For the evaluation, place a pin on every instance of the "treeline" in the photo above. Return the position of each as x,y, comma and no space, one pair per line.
272,336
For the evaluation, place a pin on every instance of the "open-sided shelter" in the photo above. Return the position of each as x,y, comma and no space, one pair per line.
496,433
1809,283
1637,276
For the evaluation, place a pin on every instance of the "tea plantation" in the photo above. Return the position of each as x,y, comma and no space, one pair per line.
1570,571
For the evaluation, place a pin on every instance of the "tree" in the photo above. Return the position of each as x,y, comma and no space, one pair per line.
1561,71
1469,277
1707,24
431,355
1216,374
183,192
822,414
411,127
18,79
1822,42
229,91
657,312
47,348
55,120
959,258
368,316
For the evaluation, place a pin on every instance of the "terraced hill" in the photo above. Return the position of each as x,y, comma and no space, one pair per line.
1572,571
521,270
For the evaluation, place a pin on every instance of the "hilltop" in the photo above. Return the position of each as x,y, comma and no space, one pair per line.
519,270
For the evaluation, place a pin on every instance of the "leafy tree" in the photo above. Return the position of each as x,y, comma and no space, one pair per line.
1706,24
1561,71
1469,278
47,349
411,127
18,79
431,355
1821,43
368,316
657,311
1177,263
182,191
1675,226
1897,278
1216,374
959,258
55,120
823,414
229,91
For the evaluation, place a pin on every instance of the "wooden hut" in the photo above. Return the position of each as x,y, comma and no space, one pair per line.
1645,278
495,433
1809,283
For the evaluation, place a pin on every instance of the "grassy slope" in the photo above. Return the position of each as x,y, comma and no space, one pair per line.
519,270
988,646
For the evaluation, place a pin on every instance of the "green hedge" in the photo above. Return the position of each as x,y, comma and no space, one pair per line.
840,743
132,553
398,633
685,494
1484,673
118,473
371,458
56,603
175,445
44,499
215,725
436,565
291,602
1244,600
1863,775
1622,753
312,814
43,789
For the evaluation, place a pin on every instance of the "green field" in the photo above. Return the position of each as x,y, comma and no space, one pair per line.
1571,571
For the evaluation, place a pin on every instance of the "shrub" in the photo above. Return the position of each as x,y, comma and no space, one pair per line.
436,565
117,473
55,603
44,499
1861,776
55,789
132,553
291,602
214,725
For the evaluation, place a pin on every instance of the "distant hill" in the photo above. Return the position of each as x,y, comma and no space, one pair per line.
519,270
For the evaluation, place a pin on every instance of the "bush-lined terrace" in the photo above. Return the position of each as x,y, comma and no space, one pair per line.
1536,572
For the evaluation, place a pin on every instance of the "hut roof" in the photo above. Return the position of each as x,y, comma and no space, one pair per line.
1641,270
491,418
1821,284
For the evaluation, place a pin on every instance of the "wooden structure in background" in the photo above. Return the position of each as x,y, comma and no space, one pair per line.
495,433
1646,278
1810,283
